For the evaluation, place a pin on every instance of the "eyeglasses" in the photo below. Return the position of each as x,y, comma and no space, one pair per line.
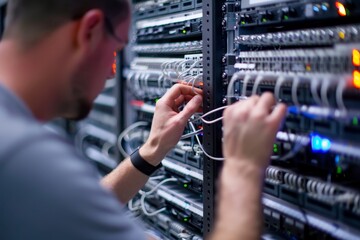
109,27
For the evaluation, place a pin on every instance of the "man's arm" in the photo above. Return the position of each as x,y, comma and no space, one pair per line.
249,132
167,127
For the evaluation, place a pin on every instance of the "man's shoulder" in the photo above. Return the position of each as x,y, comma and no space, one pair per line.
15,132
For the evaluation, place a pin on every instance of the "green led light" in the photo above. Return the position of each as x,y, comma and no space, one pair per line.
338,170
186,219
275,150
243,22
184,31
355,121
185,185
156,100
286,17
264,20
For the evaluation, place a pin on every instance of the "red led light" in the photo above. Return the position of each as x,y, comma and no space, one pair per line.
341,9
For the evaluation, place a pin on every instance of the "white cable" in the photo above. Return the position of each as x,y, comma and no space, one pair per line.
126,132
142,200
313,87
106,149
340,89
244,88
201,147
324,91
131,206
294,89
80,138
230,88
208,113
279,83
258,80
191,134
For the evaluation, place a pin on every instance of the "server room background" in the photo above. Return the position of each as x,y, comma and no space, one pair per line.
306,52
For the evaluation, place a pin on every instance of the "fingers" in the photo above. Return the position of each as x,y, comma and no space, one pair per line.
182,99
190,108
278,115
266,102
178,90
241,109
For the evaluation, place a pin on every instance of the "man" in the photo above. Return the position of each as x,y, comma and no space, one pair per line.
53,58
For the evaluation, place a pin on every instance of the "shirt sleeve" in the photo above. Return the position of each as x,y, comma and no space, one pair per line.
47,191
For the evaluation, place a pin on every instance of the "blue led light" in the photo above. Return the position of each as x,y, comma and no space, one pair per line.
316,143
324,8
337,159
320,144
325,145
316,9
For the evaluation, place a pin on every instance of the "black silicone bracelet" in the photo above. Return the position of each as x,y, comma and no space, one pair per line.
142,165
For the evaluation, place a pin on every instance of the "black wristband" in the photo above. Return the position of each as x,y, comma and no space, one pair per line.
142,165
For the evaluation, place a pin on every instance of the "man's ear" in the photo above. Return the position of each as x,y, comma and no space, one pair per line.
90,30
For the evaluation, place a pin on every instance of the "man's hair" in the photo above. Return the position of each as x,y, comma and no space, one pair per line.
31,20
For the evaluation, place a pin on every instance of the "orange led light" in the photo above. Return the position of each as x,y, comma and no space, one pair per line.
356,80
114,68
341,9
356,57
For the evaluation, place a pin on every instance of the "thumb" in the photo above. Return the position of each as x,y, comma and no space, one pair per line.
190,108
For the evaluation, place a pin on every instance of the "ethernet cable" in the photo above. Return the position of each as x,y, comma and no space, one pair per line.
314,85
146,194
202,118
258,80
201,146
131,204
126,132
340,89
294,90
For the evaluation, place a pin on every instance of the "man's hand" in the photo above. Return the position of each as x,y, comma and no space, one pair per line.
250,129
249,132
168,123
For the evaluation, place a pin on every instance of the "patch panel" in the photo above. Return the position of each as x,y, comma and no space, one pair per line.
168,48
183,25
158,8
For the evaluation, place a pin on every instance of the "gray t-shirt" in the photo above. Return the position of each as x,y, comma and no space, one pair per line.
48,191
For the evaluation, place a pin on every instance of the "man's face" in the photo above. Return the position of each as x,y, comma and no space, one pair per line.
88,82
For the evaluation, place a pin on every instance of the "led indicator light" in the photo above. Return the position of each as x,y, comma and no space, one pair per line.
186,219
355,121
325,7
356,57
337,159
325,145
341,9
316,143
338,170
286,17
356,79
243,22
320,144
264,20
316,8
342,35
185,185
308,67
